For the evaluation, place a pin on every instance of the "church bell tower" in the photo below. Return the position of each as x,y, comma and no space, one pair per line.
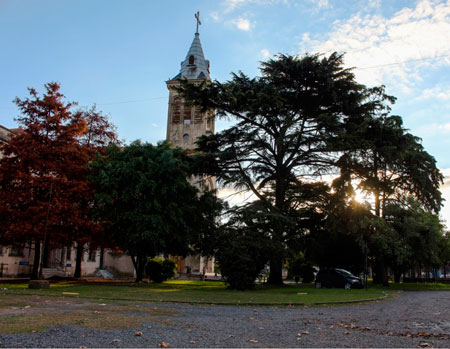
186,123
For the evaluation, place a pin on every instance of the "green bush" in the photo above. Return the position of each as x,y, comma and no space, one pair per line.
241,258
159,270
299,267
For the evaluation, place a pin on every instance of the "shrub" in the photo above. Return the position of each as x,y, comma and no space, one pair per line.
241,258
299,267
159,270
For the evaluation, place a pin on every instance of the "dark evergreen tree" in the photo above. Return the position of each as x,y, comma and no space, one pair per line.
289,129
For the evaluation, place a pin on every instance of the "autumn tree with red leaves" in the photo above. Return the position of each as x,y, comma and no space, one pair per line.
44,189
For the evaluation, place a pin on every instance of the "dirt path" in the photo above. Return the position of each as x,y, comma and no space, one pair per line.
413,319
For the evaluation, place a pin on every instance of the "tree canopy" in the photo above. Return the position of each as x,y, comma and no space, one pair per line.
144,195
44,190
303,118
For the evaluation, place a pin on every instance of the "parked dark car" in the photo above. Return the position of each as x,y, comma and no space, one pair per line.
333,277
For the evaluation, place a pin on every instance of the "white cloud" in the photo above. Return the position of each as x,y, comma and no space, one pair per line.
374,3
438,92
231,5
434,129
242,24
155,125
321,3
265,53
373,40
215,16
235,197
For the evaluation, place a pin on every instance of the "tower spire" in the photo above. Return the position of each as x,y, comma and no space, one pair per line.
197,18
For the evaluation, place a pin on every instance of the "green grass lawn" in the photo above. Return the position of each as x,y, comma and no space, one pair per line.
198,291
415,286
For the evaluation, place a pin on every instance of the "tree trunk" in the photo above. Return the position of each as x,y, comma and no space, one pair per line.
380,276
102,253
45,254
139,265
79,258
397,276
37,256
276,267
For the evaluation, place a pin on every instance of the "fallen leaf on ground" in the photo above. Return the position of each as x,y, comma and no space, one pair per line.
346,332
305,332
116,340
424,345
138,334
163,345
299,334
253,341
191,342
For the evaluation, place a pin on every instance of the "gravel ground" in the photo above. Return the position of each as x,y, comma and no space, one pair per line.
413,319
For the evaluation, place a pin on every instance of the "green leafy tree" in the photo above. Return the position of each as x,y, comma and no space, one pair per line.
391,164
289,127
144,194
243,246
342,240
415,237
159,270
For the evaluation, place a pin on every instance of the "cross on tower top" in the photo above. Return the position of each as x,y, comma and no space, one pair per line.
197,17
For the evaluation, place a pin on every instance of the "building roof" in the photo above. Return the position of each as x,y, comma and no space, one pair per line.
4,133
196,68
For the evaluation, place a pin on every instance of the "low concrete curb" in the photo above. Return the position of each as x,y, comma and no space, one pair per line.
273,304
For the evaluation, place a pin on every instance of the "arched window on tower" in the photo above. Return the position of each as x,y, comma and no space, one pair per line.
187,115
191,60
210,124
176,111
198,115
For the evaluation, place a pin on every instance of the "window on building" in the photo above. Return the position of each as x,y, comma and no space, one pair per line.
197,115
187,116
209,125
1,250
16,251
191,60
92,255
176,111
69,253
185,137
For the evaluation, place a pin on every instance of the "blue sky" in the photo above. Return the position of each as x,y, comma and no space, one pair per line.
118,54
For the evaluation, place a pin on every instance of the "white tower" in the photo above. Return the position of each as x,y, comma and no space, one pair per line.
185,123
